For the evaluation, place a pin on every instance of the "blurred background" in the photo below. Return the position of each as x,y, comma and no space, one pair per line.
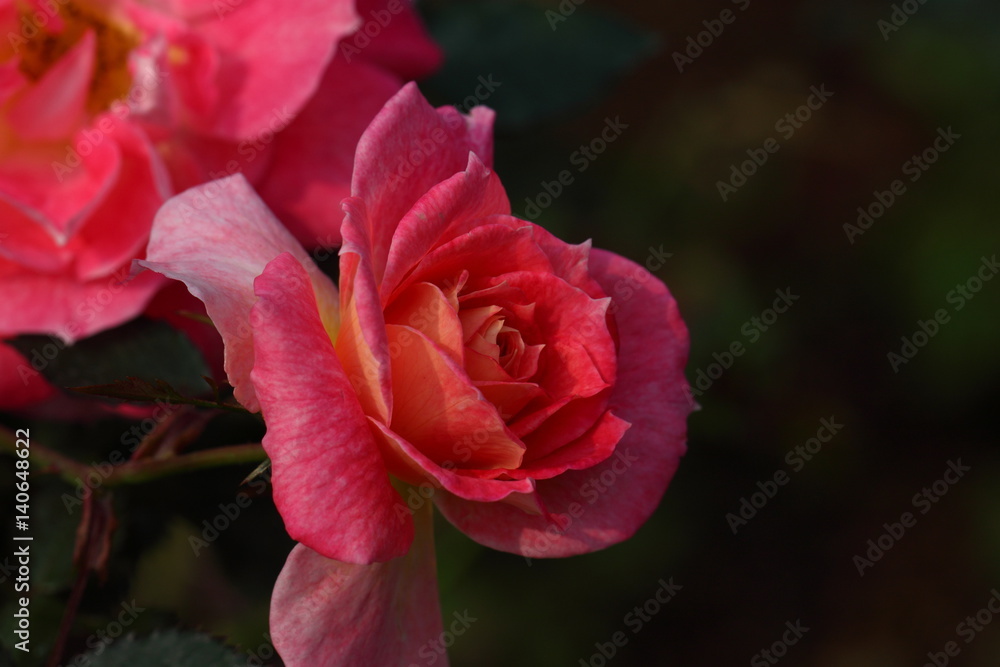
740,140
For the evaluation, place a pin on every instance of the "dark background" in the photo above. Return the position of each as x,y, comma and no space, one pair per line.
656,187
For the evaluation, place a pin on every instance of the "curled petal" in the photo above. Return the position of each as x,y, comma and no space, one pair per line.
237,236
605,504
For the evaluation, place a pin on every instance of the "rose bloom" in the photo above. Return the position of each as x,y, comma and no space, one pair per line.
534,388
107,107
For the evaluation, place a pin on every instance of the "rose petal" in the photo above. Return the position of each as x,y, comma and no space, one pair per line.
426,308
361,344
20,383
401,43
71,309
414,467
263,60
618,495
237,236
314,156
449,209
324,612
438,410
407,150
330,485
54,107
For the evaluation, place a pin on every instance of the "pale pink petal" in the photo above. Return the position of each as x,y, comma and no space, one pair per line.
611,500
408,149
236,237
330,614
330,484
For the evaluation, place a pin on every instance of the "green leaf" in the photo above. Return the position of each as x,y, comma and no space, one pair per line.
142,348
511,57
167,649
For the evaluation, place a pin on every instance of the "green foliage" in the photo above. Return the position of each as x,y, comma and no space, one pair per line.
538,67
167,649
142,348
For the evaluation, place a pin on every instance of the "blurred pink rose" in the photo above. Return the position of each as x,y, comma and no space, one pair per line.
107,107
535,389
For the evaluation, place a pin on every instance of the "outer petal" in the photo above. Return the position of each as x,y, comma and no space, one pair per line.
265,60
236,237
20,383
333,614
409,148
60,305
402,45
313,157
330,484
618,495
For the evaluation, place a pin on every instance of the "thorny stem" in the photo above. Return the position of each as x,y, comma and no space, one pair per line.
135,472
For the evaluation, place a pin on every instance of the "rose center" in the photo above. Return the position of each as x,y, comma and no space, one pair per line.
115,40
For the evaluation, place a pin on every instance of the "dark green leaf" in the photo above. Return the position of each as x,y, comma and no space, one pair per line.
142,348
168,649
510,56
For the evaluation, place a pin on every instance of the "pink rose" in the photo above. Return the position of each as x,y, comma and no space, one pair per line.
535,388
110,107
